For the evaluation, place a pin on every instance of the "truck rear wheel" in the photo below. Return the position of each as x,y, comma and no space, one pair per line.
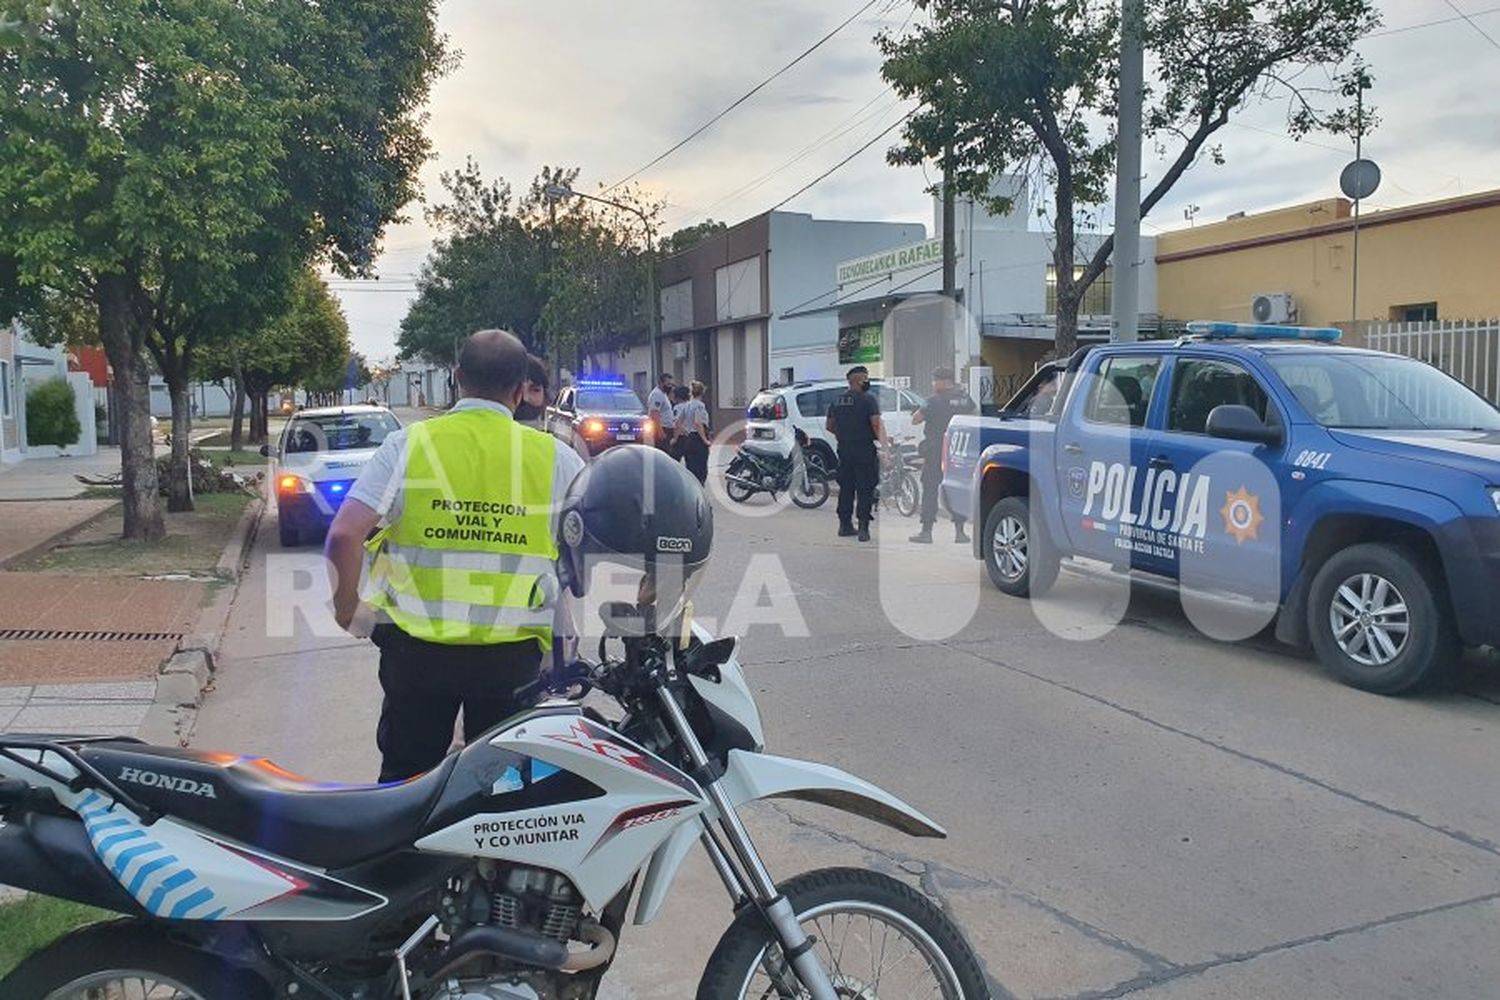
1018,554
1379,621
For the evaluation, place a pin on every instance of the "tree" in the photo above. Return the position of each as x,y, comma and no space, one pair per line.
690,236
565,276
158,152
484,270
308,345
1006,85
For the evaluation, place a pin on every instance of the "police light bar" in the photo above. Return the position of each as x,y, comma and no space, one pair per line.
602,382
1263,331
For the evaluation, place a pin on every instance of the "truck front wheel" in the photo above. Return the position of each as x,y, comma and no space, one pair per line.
1378,620
1020,557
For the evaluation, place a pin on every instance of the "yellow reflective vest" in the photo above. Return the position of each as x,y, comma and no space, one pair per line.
472,558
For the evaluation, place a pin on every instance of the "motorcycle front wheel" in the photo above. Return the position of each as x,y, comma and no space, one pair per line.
127,960
879,939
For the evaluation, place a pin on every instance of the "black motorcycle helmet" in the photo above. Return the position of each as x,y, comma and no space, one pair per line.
636,509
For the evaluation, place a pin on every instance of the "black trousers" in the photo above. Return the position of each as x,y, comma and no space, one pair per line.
858,475
426,683
695,456
932,479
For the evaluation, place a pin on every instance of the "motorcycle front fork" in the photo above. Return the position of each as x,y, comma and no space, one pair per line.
750,879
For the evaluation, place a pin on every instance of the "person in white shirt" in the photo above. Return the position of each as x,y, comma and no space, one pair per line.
487,660
693,432
659,406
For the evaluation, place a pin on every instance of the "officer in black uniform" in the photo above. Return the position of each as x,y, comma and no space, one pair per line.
854,419
948,399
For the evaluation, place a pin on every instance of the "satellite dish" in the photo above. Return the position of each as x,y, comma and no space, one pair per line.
1360,179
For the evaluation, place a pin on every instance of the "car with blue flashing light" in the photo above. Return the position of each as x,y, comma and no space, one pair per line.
318,457
1355,492
595,414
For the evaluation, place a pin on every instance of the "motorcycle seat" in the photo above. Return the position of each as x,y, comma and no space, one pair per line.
253,801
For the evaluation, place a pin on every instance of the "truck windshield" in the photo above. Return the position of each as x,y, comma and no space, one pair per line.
609,401
1362,391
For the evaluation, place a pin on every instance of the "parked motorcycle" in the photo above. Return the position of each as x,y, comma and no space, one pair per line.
899,482
778,465
504,874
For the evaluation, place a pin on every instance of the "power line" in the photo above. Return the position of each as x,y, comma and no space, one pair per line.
845,161
861,117
1430,24
1474,24
742,99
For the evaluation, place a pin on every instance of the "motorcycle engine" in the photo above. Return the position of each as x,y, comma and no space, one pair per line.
518,898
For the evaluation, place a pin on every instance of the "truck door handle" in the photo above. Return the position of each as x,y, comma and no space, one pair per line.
1073,449
1161,462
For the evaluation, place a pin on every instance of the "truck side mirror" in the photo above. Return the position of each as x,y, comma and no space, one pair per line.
1235,422
265,451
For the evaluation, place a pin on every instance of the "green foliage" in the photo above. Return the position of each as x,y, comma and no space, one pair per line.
1031,86
690,236
50,414
307,345
561,275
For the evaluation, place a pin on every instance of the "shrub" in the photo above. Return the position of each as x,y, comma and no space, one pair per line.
50,414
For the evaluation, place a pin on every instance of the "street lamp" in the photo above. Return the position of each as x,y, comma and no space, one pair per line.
559,192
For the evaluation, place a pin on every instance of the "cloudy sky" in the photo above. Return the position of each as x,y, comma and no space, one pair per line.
607,85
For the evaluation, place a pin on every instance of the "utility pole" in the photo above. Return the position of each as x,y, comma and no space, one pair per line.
1125,321
950,241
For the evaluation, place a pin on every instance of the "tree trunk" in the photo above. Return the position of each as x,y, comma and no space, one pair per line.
142,504
179,469
237,414
1067,324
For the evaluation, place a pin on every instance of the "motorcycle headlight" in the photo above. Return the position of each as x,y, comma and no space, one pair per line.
1495,497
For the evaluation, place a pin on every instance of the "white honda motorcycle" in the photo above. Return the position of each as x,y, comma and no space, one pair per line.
504,874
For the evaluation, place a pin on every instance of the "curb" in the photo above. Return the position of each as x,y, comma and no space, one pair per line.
189,671
232,559
50,541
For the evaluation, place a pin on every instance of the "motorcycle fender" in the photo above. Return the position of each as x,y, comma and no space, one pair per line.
662,871
752,776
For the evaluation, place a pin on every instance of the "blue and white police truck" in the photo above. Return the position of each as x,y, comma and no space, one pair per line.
1357,490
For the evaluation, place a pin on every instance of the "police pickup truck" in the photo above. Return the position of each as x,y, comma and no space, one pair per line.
1357,490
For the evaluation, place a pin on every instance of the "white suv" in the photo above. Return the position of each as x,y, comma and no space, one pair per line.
804,405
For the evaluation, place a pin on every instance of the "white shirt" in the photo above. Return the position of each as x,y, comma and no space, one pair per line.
691,414
660,405
380,485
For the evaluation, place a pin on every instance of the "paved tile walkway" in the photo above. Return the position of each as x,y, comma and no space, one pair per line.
53,478
28,525
39,601
76,709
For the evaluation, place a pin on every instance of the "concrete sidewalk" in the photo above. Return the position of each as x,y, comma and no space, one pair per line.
54,478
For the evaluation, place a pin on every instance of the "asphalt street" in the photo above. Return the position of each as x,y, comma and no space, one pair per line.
1133,809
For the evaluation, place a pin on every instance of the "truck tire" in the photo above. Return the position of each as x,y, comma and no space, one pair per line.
1019,555
1379,619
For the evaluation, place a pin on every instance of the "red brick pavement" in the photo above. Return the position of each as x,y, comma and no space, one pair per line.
105,604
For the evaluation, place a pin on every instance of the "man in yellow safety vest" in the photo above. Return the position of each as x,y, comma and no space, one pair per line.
463,589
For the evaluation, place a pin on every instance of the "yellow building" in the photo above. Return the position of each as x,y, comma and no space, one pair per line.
1438,260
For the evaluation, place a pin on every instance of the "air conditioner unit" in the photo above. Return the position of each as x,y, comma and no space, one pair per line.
679,350
1274,307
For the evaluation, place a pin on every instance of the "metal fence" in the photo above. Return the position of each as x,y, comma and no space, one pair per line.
1469,350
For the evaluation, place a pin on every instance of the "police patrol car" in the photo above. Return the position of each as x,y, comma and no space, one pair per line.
319,456
1358,490
597,413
